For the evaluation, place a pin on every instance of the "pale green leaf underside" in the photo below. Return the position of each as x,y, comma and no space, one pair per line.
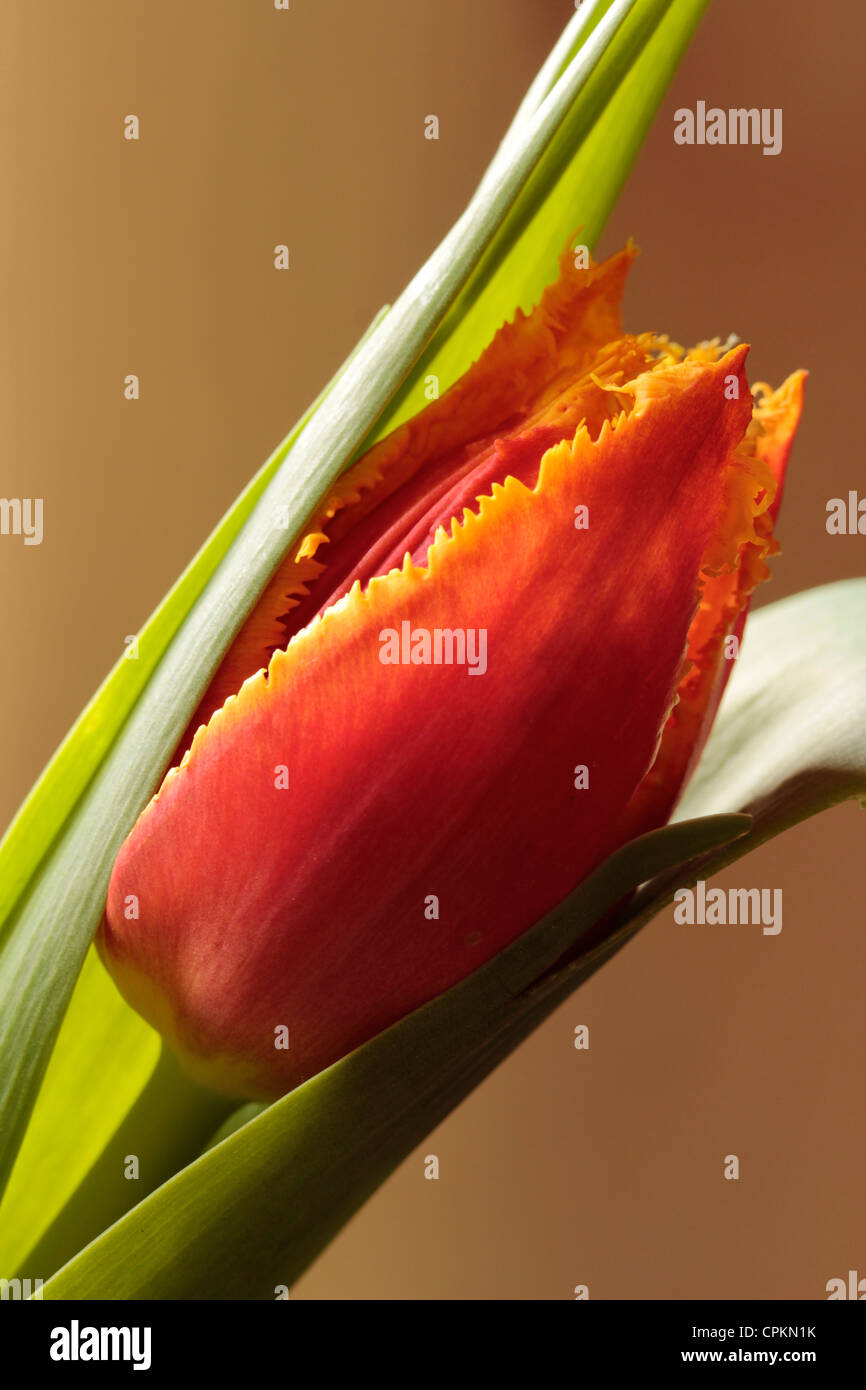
792,729
252,1212
66,874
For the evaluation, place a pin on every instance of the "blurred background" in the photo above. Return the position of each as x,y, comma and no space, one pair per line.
599,1167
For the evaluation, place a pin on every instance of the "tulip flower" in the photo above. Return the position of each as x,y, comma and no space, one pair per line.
494,658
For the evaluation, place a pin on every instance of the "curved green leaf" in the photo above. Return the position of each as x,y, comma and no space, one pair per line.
135,1102
790,740
586,164
79,806
254,1210
48,1170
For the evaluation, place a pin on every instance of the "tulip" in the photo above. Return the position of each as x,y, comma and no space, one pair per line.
494,658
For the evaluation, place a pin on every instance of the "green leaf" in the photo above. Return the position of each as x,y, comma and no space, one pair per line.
48,1170
574,186
59,1150
61,876
42,881
62,1194
61,785
63,782
254,1210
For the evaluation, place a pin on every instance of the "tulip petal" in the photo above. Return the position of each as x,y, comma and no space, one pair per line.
525,367
761,462
304,907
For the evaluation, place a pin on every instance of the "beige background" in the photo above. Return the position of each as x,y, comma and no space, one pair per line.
257,127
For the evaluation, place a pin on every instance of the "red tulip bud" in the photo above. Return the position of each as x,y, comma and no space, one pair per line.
495,657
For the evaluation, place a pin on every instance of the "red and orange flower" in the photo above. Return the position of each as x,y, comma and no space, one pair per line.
354,825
